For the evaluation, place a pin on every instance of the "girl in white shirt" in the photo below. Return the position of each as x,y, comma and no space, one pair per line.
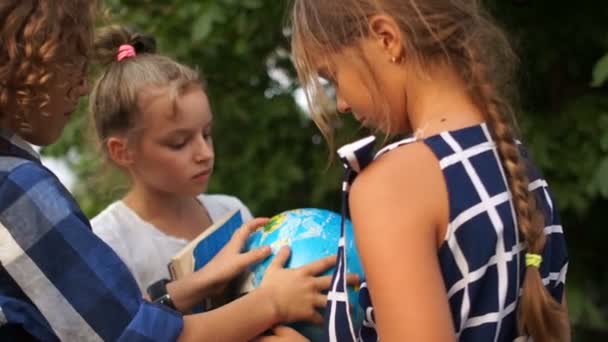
153,121
147,249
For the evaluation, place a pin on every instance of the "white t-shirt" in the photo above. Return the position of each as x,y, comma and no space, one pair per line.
142,247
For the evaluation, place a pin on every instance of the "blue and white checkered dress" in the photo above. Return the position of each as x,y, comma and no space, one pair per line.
482,257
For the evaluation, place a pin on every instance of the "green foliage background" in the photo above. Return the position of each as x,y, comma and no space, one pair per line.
272,156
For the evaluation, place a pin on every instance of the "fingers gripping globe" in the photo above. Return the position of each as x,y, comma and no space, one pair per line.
311,234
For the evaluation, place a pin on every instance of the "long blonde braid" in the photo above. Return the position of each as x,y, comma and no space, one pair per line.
539,314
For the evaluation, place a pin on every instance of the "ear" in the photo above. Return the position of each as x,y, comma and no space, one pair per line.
119,152
384,30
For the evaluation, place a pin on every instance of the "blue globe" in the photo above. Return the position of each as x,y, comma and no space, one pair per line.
311,234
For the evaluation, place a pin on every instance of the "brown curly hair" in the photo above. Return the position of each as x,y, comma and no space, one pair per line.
36,39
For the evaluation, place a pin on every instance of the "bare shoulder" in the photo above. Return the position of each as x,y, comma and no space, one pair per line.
408,171
407,181
398,206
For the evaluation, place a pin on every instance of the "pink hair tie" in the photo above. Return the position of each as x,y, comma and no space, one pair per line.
125,51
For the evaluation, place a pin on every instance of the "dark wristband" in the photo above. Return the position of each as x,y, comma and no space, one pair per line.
158,293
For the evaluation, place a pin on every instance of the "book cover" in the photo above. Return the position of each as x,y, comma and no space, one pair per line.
201,250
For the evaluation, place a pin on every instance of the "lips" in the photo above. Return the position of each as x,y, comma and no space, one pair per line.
202,176
362,119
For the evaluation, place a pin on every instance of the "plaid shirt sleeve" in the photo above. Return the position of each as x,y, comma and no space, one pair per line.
57,279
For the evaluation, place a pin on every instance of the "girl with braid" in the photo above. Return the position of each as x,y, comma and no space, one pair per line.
458,232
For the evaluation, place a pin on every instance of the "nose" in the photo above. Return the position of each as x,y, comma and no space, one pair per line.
342,106
204,150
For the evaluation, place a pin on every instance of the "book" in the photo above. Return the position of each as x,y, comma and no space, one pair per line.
204,247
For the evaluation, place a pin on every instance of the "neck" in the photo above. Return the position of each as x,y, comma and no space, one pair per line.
153,205
439,101
6,122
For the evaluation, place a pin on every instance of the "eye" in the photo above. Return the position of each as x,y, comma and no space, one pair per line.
328,78
177,145
327,74
207,134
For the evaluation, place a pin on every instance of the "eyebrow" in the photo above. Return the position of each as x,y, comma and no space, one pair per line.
186,131
179,132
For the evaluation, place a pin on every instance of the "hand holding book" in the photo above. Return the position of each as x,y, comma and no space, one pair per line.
231,262
191,288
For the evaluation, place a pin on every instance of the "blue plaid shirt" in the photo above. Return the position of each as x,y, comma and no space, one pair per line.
58,281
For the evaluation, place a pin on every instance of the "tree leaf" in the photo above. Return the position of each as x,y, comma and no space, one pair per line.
600,72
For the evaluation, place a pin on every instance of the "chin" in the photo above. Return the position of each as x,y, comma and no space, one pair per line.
197,190
41,139
188,192
402,129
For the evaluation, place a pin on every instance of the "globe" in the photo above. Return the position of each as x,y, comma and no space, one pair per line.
311,234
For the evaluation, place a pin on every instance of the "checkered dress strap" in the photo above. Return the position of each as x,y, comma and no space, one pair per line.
338,321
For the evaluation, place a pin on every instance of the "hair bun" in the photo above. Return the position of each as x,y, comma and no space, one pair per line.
143,43
109,39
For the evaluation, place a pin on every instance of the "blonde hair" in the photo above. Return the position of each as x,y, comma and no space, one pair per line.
37,38
461,34
115,95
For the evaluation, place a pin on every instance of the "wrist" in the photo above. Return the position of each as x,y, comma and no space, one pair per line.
185,293
202,284
188,291
158,294
272,306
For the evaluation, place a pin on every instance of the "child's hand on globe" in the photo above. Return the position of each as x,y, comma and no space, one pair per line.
312,235
298,292
231,262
